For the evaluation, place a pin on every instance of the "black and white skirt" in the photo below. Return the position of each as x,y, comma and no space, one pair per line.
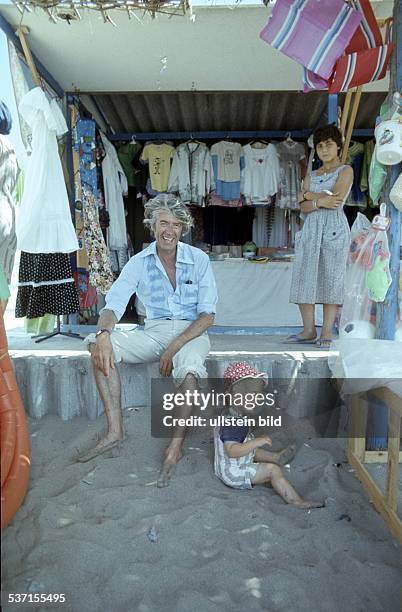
45,285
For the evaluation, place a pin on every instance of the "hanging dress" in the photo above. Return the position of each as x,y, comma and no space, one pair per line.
45,232
44,222
321,248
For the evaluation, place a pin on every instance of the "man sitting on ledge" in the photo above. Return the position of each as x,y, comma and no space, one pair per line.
175,283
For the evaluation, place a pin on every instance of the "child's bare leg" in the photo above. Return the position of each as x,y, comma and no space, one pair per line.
269,472
281,458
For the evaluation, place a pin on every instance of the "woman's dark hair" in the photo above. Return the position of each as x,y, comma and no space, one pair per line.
326,132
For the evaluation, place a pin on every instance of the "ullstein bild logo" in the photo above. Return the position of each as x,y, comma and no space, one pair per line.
222,421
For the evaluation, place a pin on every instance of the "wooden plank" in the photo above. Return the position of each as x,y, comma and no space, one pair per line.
390,516
394,435
357,423
378,457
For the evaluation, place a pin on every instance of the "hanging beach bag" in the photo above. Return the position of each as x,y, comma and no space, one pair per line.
395,194
360,68
356,67
314,33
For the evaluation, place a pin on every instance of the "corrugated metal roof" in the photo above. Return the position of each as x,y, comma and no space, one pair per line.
225,111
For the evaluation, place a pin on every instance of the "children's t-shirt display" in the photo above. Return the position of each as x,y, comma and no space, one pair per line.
228,161
158,157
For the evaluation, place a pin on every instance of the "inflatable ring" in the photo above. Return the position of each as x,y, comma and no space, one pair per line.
15,447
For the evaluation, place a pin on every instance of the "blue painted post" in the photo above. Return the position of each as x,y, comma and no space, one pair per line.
387,311
69,155
332,108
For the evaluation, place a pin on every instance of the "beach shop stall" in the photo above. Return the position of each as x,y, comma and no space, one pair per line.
138,101
144,116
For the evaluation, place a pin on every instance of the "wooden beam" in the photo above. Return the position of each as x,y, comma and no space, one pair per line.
357,425
21,32
378,457
380,503
394,440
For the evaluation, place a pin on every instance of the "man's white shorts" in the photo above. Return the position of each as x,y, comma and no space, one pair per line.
148,344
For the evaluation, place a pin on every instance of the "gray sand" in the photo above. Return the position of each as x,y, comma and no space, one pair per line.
83,530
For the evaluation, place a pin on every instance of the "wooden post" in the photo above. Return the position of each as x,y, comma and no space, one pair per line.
351,123
28,56
345,111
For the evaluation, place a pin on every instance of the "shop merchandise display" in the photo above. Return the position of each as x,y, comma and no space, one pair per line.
192,175
368,276
44,222
158,157
115,186
45,232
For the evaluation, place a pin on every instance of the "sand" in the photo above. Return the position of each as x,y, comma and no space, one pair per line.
107,537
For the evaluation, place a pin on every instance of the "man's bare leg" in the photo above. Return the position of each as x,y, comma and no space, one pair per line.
175,449
110,391
280,458
270,473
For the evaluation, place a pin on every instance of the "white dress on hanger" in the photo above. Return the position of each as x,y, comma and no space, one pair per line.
44,222
115,185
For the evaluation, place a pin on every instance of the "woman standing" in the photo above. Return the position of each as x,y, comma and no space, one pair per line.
322,245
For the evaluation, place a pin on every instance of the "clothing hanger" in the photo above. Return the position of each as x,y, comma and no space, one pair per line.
192,139
289,140
264,144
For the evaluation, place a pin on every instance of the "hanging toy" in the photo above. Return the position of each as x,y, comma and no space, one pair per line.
379,277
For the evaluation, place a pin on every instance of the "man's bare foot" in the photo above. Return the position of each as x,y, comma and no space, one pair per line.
168,468
309,504
104,445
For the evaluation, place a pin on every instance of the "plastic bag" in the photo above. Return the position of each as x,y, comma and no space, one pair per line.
367,277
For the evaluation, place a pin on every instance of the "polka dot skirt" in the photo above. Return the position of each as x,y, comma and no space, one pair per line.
45,286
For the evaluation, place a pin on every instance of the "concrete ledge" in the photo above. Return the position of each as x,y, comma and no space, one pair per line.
56,377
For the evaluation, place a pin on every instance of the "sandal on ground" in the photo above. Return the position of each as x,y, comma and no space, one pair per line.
296,339
324,343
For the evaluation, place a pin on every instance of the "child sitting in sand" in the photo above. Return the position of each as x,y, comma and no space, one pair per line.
240,462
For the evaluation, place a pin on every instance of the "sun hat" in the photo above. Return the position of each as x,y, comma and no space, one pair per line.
238,371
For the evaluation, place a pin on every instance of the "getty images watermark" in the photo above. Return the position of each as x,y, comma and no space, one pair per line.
201,404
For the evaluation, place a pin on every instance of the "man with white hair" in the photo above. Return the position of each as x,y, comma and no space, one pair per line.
175,283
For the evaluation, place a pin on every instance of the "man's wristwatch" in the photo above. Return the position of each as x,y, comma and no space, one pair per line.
101,331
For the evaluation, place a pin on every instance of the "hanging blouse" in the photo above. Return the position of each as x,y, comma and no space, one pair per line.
192,175
44,222
260,176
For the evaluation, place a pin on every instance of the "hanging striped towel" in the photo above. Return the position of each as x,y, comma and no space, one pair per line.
315,33
366,57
